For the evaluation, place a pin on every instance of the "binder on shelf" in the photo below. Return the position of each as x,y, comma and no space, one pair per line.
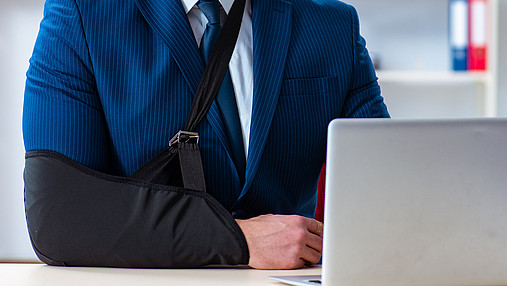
478,34
458,34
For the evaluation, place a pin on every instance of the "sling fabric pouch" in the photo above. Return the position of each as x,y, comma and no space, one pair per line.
160,217
79,217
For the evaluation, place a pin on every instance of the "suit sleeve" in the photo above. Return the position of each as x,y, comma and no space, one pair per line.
364,96
62,110
77,215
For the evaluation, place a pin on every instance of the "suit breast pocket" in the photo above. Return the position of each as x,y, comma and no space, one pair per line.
304,109
310,86
311,101
297,137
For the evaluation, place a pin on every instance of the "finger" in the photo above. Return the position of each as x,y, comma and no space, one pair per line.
314,241
315,227
311,256
300,264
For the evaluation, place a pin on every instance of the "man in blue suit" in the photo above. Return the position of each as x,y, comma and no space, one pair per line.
110,82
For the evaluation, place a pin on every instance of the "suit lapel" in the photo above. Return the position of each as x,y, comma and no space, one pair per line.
168,19
272,22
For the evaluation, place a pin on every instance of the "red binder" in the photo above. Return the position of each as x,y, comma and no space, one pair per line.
478,35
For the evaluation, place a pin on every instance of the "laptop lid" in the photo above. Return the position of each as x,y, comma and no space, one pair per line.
416,202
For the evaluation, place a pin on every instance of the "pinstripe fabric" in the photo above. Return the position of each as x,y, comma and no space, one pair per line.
110,82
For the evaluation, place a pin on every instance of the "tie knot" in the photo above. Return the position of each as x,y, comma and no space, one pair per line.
210,9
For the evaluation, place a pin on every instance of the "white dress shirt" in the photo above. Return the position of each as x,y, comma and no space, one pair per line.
241,64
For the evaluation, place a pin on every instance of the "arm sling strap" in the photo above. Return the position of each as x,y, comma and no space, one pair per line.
160,217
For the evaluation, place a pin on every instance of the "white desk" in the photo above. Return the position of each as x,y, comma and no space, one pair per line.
41,275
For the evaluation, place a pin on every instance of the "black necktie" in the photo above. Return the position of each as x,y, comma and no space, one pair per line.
226,99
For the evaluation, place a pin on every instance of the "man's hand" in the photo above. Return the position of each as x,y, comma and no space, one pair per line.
282,241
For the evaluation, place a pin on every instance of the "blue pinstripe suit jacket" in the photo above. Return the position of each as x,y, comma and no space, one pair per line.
110,82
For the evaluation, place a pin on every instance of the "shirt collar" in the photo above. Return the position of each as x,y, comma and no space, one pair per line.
189,4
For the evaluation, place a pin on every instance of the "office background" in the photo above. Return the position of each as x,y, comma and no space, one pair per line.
407,38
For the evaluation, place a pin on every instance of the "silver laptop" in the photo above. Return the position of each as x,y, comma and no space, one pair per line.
415,202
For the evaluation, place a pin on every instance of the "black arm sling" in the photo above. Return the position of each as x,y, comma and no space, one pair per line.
160,217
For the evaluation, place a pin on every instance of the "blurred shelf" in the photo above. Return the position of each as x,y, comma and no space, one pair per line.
420,81
434,77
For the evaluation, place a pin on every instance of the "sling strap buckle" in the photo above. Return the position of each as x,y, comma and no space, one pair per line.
184,136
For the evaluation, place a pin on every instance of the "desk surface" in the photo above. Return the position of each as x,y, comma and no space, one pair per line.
40,274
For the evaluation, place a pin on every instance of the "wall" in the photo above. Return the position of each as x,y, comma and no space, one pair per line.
19,22
406,35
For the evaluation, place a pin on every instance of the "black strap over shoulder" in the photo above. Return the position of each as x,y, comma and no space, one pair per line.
161,168
191,167
216,68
